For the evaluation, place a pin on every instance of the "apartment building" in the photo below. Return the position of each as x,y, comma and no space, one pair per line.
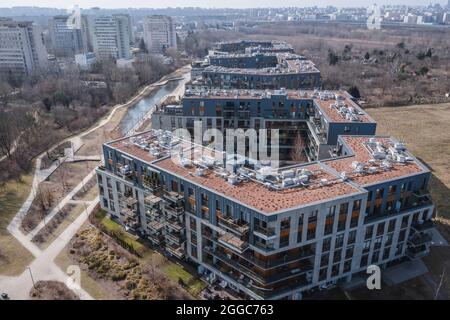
21,47
159,33
256,65
250,46
112,36
271,233
68,40
318,116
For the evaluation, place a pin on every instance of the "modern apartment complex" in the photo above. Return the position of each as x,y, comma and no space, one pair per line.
256,65
319,117
159,33
269,232
21,47
112,36
68,40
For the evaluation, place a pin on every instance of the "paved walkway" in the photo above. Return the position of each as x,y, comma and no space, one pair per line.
43,266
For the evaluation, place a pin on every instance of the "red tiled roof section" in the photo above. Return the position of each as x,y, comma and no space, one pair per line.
257,195
126,146
362,155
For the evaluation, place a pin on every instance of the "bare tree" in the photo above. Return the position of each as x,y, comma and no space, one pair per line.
8,132
5,92
298,149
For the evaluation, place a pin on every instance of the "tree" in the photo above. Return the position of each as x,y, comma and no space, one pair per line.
333,58
8,132
298,149
142,46
5,92
354,92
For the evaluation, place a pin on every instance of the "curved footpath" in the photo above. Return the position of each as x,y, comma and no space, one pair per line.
43,266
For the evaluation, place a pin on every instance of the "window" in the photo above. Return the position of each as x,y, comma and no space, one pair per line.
364,260
339,242
379,193
326,244
285,223
366,246
386,252
300,229
284,241
351,237
349,252
204,198
380,228
369,232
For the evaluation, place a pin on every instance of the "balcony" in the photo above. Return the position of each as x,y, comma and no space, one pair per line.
419,239
424,226
266,233
240,226
125,172
232,242
129,213
275,262
175,237
173,197
155,226
129,201
156,238
150,183
175,250
174,224
415,253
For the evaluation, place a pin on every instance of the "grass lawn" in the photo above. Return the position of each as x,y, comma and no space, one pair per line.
13,256
125,236
175,272
424,128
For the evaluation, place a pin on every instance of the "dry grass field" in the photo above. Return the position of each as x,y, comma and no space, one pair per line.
424,129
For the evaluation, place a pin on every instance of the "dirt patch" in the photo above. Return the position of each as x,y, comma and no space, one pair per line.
54,189
88,191
52,290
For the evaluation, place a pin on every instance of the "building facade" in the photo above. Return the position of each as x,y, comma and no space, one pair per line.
112,36
318,116
265,231
21,47
271,234
68,40
159,33
256,65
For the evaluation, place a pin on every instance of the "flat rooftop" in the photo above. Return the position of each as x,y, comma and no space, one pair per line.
373,169
258,196
269,190
337,106
301,67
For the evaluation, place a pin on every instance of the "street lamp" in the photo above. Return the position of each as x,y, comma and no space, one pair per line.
31,275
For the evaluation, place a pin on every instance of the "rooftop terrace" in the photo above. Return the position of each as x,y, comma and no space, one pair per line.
270,190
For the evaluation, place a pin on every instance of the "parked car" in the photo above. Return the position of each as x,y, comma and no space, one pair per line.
4,296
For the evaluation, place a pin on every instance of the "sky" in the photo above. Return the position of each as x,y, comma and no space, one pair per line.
207,3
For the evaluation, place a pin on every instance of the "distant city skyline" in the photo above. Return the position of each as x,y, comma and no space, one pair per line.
213,3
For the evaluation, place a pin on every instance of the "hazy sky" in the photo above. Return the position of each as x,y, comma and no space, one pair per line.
206,3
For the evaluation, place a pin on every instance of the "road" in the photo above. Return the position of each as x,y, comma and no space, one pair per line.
43,266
